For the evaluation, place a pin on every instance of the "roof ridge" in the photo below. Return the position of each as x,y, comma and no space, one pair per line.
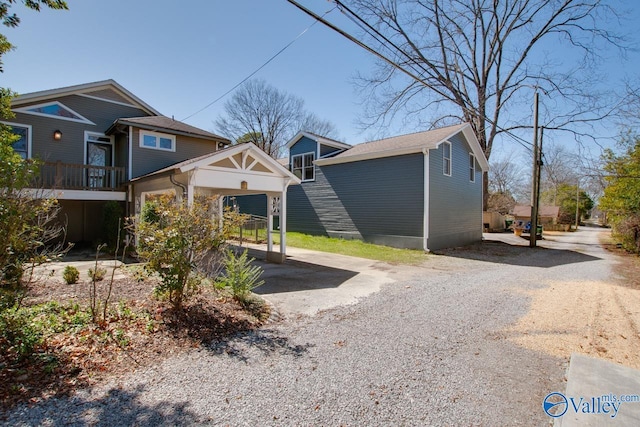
411,133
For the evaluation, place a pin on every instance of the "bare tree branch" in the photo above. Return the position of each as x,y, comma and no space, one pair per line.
261,114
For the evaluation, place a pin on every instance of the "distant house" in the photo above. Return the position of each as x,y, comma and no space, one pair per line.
420,191
99,143
547,214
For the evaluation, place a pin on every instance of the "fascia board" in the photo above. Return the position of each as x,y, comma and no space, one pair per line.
369,156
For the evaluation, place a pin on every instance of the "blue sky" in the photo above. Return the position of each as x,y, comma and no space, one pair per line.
180,56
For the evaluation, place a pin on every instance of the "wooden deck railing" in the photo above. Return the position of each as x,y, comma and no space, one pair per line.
69,176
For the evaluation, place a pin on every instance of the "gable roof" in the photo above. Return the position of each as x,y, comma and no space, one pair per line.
321,139
408,144
85,89
246,148
164,123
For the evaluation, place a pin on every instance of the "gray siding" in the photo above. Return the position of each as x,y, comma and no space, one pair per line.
304,145
108,94
455,203
253,204
146,160
71,148
325,150
379,200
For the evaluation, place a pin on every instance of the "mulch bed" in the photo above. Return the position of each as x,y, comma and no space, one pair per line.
140,331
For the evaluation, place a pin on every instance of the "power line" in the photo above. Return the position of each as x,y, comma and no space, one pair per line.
259,68
524,143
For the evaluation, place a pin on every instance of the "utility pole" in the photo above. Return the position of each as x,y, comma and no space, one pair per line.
577,203
536,173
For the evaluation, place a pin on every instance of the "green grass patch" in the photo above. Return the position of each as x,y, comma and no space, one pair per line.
355,248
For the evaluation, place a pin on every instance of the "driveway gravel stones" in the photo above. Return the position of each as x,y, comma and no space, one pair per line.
435,349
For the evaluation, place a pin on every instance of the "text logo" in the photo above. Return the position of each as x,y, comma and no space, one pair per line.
555,404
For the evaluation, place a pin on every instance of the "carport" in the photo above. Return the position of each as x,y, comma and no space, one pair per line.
242,169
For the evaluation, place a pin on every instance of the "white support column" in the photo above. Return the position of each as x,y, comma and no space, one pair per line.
220,211
269,223
283,222
275,209
190,191
425,216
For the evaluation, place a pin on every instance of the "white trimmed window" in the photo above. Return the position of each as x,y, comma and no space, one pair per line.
157,141
302,166
23,145
472,167
446,158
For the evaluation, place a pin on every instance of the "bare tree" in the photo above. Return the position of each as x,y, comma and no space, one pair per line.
505,176
474,59
268,117
506,181
560,167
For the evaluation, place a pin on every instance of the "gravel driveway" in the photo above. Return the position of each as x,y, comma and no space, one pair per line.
433,350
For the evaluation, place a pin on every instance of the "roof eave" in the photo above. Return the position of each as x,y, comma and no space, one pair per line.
169,130
318,138
475,147
81,88
370,156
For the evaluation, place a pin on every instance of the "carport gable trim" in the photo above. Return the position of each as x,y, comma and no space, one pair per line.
247,149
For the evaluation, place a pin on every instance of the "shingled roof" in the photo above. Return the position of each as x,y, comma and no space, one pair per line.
170,125
425,139
407,144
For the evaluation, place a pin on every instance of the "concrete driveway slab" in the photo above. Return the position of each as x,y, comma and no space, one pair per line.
312,281
599,393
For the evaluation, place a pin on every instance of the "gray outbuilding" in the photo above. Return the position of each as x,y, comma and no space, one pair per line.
419,191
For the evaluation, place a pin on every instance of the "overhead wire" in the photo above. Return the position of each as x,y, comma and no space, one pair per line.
412,62
260,67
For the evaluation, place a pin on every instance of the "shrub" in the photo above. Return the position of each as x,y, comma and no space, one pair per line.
97,274
178,241
240,277
70,274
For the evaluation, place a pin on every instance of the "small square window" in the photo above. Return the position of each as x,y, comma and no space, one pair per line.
149,141
165,143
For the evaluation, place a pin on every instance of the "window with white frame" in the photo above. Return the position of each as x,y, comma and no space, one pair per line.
446,158
23,145
157,141
302,166
472,167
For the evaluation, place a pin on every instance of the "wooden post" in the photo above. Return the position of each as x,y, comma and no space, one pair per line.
536,167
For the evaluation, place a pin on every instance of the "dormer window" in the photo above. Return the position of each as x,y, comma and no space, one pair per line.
302,166
54,110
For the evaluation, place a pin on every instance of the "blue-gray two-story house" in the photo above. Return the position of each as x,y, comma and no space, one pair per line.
98,143
420,191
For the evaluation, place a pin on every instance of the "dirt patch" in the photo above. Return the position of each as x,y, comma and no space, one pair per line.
596,318
138,332
593,318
